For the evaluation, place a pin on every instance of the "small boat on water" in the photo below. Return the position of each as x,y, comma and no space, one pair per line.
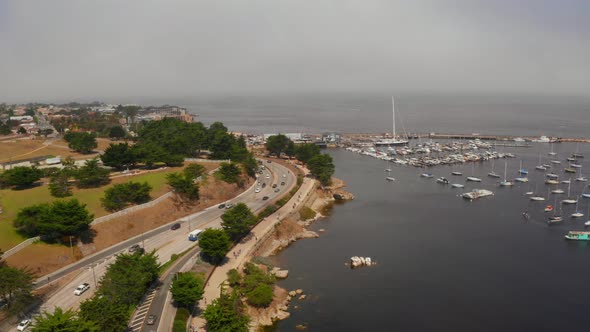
493,175
578,155
457,185
569,170
529,193
582,179
577,214
541,168
546,165
549,208
555,161
578,236
557,191
571,159
442,180
552,176
473,179
537,198
426,175
569,200
552,153
576,165
521,180
389,178
388,170
506,183
549,181
555,220
456,173
477,193
586,195
566,181
522,170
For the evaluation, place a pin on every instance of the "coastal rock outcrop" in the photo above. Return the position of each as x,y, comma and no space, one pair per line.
357,261
279,274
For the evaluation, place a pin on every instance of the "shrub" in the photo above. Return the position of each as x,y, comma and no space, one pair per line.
233,277
121,195
20,176
306,213
260,296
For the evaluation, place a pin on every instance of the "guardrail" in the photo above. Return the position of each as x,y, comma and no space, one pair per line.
20,246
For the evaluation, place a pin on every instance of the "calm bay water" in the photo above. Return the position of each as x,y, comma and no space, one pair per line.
372,113
444,264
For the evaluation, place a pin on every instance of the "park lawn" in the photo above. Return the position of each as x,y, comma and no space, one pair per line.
14,200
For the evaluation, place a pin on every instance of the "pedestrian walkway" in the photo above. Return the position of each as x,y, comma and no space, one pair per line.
240,254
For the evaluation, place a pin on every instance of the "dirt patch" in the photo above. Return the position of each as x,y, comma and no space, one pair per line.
43,258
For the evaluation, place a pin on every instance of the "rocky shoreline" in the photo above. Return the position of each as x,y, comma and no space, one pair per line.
289,230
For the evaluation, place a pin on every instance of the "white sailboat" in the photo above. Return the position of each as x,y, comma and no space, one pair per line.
540,167
577,214
569,200
472,178
552,153
555,218
505,183
493,174
581,178
393,140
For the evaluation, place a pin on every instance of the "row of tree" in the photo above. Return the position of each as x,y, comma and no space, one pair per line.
319,164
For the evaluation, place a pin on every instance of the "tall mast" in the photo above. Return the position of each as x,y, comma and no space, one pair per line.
393,110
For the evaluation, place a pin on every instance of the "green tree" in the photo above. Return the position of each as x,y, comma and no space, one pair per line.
184,187
129,111
16,286
229,172
250,165
119,156
260,296
227,314
107,314
234,278
304,152
21,130
128,278
221,145
214,244
187,289
117,132
277,144
92,175
5,128
81,142
62,321
121,195
55,220
20,176
194,171
322,167
237,221
59,185
46,132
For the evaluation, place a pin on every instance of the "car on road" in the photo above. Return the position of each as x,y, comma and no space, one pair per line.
264,198
135,247
151,320
229,206
274,185
282,183
23,324
175,226
277,190
268,176
268,161
263,184
257,190
221,206
284,175
81,289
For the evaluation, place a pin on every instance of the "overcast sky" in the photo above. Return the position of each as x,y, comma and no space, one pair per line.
105,50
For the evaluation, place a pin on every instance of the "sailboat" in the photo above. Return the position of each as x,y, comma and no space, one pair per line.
456,173
389,178
393,140
569,200
540,167
472,178
522,170
587,223
577,154
577,214
505,183
557,191
555,218
539,198
552,153
586,195
493,174
581,178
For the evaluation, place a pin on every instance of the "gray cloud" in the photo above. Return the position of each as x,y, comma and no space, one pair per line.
60,50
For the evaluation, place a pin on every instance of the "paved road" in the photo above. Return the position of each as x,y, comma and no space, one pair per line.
165,241
162,297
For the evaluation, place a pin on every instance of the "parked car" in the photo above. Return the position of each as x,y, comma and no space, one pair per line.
221,206
23,324
277,190
257,190
264,198
151,320
229,206
284,175
282,183
268,161
263,184
274,185
175,226
81,289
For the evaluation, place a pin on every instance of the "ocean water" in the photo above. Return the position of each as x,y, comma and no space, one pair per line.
372,114
443,263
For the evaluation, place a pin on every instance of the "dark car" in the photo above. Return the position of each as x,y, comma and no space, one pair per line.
274,185
175,226
221,206
268,161
134,248
282,183
264,198
151,319
263,184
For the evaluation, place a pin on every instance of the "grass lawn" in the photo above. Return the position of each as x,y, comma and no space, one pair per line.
14,200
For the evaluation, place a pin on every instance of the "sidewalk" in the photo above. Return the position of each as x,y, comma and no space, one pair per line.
243,250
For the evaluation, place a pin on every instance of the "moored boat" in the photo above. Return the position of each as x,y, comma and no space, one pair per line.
456,173
389,178
477,193
457,185
473,179
521,179
578,236
426,175
442,180
549,208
